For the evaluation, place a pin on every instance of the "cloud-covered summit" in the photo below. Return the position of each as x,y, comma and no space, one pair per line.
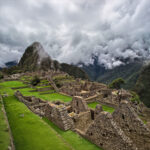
73,31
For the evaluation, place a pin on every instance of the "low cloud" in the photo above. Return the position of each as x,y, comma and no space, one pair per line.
73,31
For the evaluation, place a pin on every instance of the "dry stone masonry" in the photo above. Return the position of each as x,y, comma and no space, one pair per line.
121,130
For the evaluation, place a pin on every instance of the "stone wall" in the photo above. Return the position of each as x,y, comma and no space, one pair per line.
79,105
105,133
132,125
82,121
57,113
59,116
36,105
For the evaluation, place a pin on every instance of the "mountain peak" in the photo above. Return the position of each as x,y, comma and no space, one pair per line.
35,57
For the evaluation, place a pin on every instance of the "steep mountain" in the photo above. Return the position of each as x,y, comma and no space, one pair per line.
143,85
129,72
35,58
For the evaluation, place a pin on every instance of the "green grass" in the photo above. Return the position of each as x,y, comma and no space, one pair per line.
93,105
12,84
4,134
105,107
29,130
76,141
48,97
4,86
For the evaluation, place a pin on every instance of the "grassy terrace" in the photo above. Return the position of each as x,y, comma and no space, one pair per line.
105,107
29,130
32,132
48,97
77,142
4,134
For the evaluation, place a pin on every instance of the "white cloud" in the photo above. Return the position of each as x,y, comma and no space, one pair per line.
73,30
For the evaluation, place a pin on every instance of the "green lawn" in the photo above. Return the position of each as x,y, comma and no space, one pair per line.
76,141
4,134
105,107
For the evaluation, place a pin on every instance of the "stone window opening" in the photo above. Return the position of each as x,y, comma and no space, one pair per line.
90,133
123,116
77,103
92,114
105,95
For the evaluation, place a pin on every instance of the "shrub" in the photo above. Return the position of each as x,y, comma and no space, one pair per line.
35,81
135,97
116,84
1,76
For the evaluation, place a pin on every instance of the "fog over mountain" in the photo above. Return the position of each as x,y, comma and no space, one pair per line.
72,31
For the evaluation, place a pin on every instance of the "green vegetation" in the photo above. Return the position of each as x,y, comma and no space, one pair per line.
29,92
1,76
105,107
108,108
4,133
28,130
129,72
48,97
77,142
35,81
74,71
116,84
92,105
142,87
135,97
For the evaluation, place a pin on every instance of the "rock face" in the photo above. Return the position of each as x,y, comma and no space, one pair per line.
36,58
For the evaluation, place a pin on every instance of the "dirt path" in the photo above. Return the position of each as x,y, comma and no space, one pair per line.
9,130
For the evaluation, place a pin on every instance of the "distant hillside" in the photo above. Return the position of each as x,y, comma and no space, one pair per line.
143,85
74,71
128,72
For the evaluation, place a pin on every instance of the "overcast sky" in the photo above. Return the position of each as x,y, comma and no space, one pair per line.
74,30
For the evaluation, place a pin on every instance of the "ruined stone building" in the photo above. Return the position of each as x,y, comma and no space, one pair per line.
121,130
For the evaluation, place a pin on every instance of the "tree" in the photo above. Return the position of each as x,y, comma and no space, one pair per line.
1,76
35,81
116,84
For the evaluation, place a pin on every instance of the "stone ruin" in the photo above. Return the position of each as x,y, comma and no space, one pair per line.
121,130
57,113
